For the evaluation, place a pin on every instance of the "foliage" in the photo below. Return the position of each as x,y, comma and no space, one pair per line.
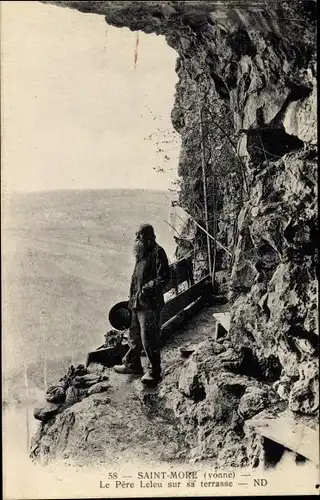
165,141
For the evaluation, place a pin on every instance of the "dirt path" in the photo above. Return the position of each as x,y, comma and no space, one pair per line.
129,423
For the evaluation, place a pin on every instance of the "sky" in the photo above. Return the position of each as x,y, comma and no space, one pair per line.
75,111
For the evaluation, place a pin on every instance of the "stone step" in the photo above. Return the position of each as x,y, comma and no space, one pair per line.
222,325
224,319
291,435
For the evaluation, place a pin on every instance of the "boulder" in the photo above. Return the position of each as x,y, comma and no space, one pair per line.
301,117
252,402
282,387
304,394
99,387
88,380
56,394
72,396
47,412
189,379
96,368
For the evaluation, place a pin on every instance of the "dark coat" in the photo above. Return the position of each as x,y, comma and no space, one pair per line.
155,275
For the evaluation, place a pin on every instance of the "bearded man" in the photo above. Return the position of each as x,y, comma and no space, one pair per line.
151,274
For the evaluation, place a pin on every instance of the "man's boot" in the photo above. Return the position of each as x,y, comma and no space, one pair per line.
128,369
150,380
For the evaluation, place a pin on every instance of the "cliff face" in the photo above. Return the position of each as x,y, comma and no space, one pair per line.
246,96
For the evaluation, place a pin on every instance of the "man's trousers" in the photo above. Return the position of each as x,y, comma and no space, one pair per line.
144,333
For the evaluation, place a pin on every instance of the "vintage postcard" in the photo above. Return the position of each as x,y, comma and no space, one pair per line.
159,235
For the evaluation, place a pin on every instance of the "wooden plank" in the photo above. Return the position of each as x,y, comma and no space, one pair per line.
177,321
223,319
183,299
291,435
180,313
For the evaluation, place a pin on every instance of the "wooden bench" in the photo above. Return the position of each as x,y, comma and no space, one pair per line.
178,308
183,303
292,435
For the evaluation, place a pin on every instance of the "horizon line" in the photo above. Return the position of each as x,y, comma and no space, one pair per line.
17,192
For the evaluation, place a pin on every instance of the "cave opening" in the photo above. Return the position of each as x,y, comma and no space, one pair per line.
270,143
265,369
273,453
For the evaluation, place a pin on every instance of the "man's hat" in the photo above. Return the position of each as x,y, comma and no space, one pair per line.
146,229
120,316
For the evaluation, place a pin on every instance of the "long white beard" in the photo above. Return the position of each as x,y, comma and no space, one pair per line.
140,250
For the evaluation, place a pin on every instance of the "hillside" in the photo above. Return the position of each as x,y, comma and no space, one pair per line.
67,259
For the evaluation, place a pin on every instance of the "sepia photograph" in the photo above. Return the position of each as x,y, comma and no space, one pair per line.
159,225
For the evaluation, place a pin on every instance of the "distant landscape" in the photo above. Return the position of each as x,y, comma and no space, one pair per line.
66,259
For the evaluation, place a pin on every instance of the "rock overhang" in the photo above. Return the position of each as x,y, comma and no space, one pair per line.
164,17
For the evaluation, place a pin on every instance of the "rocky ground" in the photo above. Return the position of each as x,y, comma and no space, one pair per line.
197,412
127,420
